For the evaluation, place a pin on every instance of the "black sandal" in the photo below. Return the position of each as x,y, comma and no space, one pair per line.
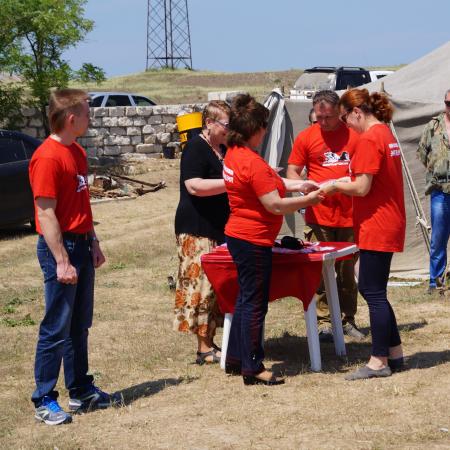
201,357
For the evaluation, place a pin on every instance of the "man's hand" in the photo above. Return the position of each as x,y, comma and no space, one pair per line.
98,258
314,197
66,273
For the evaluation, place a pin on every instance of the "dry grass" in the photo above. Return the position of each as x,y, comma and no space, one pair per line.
185,86
173,404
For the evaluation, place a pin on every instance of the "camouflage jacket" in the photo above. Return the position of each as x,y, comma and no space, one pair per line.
434,152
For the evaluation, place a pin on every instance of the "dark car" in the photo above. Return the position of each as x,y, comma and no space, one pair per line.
328,78
16,198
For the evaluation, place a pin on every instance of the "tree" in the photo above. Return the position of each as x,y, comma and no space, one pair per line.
34,34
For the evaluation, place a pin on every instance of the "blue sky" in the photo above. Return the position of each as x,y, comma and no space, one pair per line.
260,35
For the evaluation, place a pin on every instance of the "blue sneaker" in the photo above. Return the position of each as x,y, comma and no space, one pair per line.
95,398
51,413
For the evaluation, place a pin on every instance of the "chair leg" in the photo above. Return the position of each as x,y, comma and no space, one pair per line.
329,279
225,337
313,337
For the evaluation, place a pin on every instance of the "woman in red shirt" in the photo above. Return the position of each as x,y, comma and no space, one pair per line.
378,219
256,196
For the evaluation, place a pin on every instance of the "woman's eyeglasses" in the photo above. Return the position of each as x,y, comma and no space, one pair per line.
226,125
344,116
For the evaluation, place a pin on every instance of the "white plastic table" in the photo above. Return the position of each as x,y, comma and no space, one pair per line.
334,250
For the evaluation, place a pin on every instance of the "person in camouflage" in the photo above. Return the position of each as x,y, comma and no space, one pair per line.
434,152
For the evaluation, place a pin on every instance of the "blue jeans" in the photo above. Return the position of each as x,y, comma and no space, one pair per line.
63,333
254,267
440,232
374,268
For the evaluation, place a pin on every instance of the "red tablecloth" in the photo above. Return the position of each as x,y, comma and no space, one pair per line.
293,274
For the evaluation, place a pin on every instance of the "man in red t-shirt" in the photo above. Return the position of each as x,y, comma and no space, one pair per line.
324,150
68,252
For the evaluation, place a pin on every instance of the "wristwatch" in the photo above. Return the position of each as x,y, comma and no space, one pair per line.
94,238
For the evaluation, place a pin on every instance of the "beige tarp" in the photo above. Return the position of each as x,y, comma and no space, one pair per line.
417,92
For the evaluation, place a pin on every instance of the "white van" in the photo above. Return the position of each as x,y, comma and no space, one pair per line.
377,74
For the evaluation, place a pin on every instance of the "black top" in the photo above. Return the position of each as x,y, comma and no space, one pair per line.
201,216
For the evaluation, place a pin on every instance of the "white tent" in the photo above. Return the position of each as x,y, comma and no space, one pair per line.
417,93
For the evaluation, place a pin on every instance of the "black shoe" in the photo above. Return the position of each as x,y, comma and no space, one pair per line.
326,335
232,369
250,380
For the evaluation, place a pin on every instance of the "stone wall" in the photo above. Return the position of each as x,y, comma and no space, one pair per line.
117,131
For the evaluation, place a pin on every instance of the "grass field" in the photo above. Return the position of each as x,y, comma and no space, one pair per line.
170,403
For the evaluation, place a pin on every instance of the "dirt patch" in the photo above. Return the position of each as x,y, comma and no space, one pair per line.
171,403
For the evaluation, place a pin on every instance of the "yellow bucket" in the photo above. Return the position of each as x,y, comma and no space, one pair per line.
189,125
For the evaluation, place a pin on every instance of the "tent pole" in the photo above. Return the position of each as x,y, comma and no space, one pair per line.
420,215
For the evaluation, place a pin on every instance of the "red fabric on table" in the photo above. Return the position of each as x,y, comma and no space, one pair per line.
293,275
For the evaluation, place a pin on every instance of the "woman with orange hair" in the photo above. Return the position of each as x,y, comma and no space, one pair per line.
378,219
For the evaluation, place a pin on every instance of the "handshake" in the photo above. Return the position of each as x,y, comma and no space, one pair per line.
327,187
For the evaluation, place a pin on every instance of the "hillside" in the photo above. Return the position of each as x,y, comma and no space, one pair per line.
185,86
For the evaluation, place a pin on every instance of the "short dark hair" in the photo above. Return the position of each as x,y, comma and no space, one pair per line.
329,97
247,117
62,103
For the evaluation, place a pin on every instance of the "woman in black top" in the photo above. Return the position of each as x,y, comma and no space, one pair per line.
199,226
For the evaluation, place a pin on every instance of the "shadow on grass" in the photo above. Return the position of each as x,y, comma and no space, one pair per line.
133,393
293,353
16,232
425,360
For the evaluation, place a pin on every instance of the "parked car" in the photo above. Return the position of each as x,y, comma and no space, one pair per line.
119,99
16,198
328,78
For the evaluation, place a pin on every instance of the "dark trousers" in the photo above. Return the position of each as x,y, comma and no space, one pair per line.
63,333
254,267
374,268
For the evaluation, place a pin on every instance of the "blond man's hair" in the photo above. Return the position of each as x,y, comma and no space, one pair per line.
62,103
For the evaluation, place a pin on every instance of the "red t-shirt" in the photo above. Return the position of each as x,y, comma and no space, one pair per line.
379,217
60,172
247,176
326,155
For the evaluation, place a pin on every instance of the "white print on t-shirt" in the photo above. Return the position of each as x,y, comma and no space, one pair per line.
82,183
333,159
395,149
227,174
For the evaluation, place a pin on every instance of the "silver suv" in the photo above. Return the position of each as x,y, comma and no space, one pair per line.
106,99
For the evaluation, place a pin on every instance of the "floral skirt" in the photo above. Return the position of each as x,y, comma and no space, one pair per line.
196,310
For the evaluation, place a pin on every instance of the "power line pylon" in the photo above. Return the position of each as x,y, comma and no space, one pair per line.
168,35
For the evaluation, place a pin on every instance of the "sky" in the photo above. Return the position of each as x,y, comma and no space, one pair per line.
266,35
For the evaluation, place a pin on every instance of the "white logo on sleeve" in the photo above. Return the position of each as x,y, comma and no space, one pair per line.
82,183
395,149
227,174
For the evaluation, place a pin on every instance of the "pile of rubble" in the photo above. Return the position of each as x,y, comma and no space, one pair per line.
115,186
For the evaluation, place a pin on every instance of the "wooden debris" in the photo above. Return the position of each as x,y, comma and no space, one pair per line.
112,186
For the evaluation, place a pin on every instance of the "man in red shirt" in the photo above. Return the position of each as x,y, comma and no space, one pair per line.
68,252
325,149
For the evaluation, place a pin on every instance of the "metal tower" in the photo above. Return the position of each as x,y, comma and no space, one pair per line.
168,35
